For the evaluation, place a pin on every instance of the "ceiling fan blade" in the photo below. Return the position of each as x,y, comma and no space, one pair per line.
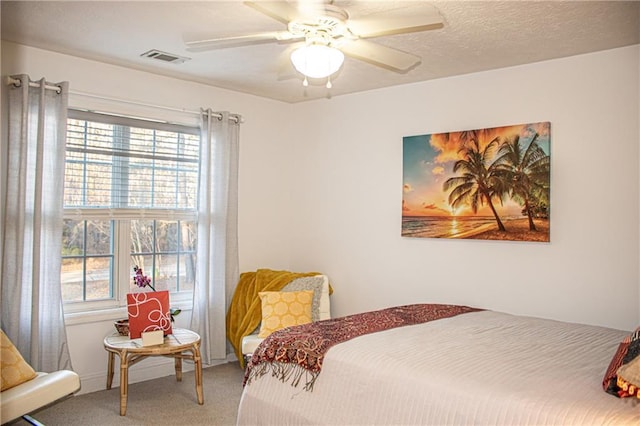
379,55
400,21
279,10
238,41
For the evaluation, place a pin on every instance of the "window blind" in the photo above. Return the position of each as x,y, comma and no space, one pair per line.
124,164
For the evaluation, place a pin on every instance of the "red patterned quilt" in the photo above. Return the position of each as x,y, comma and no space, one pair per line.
294,352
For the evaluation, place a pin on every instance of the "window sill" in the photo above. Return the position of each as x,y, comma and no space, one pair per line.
87,317
111,314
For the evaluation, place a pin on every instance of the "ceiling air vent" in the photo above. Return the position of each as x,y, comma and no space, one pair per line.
165,57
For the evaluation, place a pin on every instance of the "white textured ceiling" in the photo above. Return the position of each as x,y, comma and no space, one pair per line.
477,36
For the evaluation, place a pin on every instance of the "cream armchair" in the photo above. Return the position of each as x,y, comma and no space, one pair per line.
251,342
24,390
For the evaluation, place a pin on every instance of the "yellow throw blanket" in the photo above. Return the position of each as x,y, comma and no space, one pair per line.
245,310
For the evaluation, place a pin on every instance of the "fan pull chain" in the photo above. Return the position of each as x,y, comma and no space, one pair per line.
329,85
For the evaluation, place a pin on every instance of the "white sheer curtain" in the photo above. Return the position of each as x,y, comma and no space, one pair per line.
32,313
217,271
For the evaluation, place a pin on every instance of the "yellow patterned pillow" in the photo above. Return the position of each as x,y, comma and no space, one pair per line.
14,368
284,309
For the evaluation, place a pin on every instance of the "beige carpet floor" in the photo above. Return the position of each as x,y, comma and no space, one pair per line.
162,401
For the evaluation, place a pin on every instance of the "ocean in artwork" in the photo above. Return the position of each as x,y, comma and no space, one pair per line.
446,227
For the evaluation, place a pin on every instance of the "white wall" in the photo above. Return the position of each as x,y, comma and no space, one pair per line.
322,190
346,200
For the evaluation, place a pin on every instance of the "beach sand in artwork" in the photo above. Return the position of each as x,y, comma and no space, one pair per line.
517,230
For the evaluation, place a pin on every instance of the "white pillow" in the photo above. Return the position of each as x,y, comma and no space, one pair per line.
320,308
325,303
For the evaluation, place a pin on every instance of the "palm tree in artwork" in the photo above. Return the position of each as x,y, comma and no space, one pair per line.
525,173
478,183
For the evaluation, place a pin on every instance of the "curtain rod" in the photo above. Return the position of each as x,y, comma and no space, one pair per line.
10,80
18,83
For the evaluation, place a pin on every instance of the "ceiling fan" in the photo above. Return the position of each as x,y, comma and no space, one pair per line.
325,29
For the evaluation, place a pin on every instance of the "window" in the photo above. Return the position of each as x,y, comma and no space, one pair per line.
130,198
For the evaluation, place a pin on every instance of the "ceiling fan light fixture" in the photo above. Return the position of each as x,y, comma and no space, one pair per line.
317,60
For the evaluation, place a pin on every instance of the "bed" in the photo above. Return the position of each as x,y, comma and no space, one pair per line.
479,367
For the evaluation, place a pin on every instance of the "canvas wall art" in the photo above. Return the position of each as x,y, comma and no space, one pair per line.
491,183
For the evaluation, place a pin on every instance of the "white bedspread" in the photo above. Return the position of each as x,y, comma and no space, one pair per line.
481,368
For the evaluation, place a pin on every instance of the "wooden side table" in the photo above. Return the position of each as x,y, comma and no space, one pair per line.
182,344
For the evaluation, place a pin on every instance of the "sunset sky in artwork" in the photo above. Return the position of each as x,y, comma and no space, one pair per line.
428,162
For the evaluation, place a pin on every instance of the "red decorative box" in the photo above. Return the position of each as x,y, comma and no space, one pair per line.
148,311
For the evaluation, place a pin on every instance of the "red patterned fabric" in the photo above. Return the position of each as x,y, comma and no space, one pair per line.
627,351
296,351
